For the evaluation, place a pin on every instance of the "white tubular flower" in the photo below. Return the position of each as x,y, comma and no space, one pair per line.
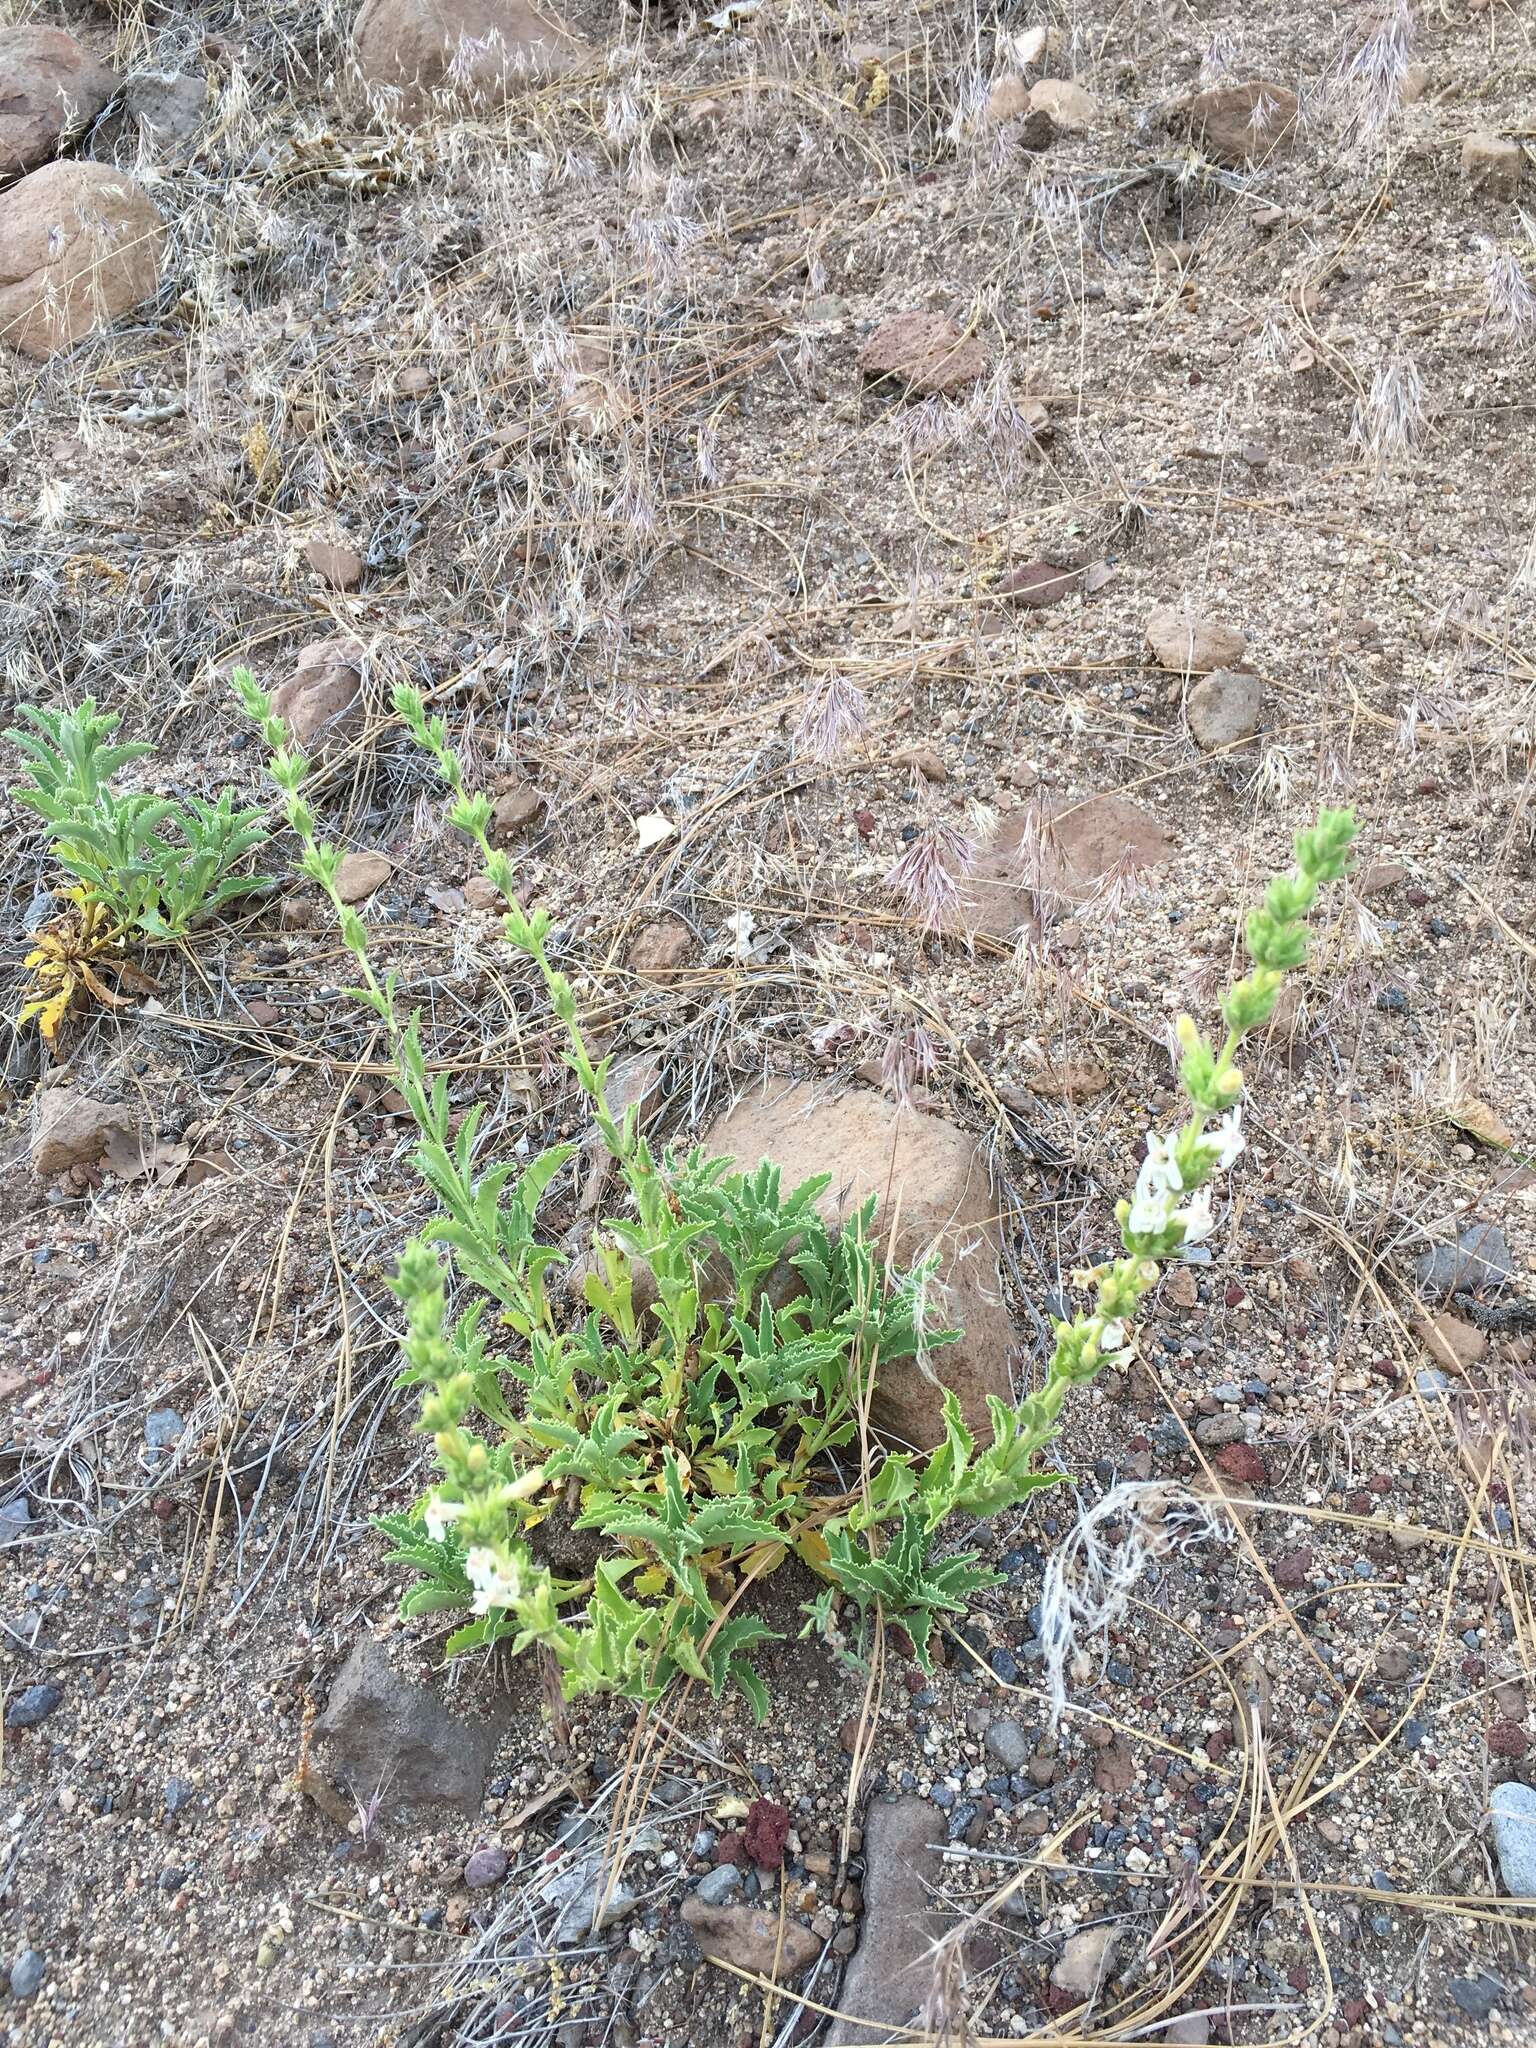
440,1514
1227,1138
1196,1217
497,1581
1112,1338
1153,1201
1159,1169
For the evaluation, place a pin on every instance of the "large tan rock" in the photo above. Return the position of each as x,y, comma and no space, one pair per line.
750,1939
74,1129
932,1188
467,53
1064,851
928,353
1071,108
1193,645
50,88
79,247
321,702
1240,124
1492,164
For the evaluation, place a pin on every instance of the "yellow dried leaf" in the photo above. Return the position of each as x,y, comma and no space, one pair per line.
1479,1121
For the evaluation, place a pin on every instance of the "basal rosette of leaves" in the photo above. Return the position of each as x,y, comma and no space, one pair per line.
690,1406
144,868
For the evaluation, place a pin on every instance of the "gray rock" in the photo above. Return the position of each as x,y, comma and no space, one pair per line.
716,1885
15,1514
1431,1382
27,1974
887,1980
1224,710
485,1866
162,1428
1008,1745
33,1705
178,1793
382,1730
1219,1429
588,1899
1194,2027
1478,1259
1477,1995
1513,1807
168,105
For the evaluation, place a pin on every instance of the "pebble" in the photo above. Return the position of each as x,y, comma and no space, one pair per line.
178,1793
27,1974
1477,1995
1513,1807
1479,1258
33,1705
717,1885
485,1866
162,1427
1219,1429
1008,1745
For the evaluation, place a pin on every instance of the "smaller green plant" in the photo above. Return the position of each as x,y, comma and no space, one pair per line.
688,1406
144,868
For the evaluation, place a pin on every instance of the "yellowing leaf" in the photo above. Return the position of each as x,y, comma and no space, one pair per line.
811,1548
1479,1121
650,1582
762,1559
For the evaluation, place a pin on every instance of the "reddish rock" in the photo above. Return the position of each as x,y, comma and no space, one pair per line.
1065,850
515,812
765,1832
930,1181
1242,1462
1506,1739
1037,584
50,88
79,247
1240,124
927,353
321,702
661,951
334,563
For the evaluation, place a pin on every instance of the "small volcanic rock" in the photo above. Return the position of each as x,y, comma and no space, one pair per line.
927,353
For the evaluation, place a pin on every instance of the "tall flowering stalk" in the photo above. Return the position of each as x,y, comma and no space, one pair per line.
1171,1205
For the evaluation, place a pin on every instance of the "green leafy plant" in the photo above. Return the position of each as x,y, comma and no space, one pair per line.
687,1404
145,868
